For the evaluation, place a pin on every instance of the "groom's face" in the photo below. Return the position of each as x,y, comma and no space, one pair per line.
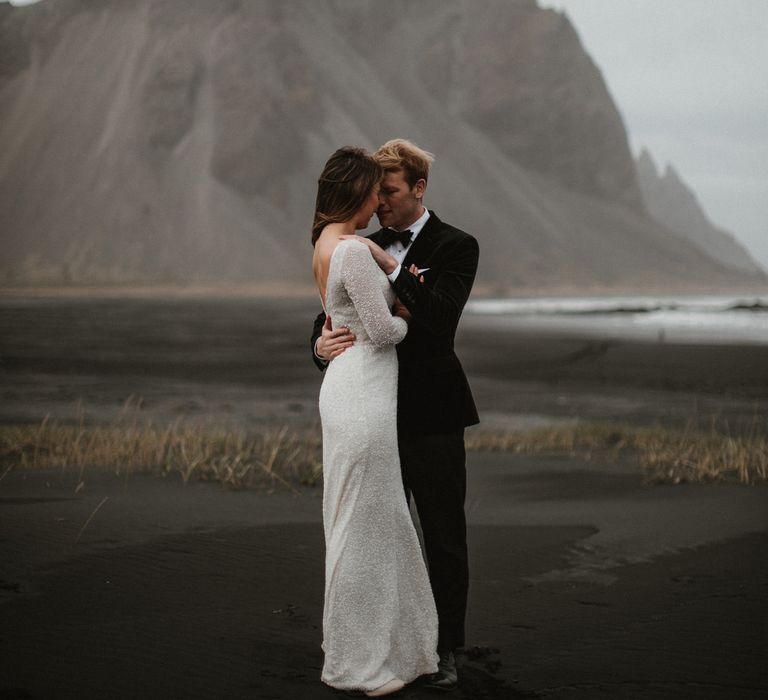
399,203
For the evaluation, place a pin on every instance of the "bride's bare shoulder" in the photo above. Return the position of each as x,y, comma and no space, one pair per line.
321,259
324,250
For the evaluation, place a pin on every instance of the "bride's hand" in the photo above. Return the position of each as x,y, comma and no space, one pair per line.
383,259
399,310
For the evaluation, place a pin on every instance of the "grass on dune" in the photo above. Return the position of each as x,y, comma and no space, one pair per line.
274,457
290,458
665,454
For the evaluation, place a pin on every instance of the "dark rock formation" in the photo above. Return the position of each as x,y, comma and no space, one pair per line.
520,75
180,140
674,205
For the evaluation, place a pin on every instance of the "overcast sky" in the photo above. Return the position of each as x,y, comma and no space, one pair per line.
690,78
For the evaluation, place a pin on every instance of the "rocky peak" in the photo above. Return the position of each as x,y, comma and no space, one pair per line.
671,202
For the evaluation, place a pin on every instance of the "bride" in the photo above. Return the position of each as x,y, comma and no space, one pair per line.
379,618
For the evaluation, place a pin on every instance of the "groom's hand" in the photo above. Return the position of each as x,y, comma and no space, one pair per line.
332,343
414,270
399,309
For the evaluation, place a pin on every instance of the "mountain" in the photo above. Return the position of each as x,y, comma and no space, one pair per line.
181,140
674,205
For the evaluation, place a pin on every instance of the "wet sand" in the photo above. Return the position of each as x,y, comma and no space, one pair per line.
585,581
245,361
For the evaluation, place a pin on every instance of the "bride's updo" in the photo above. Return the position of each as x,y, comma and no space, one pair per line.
347,179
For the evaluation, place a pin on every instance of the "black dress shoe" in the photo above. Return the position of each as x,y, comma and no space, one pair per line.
446,677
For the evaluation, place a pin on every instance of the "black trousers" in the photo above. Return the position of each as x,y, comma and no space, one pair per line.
435,475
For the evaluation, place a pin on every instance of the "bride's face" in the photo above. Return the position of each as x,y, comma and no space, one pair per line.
365,212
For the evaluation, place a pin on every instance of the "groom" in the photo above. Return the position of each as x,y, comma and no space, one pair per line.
433,278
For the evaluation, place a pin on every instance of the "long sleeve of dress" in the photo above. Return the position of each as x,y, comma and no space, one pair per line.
361,278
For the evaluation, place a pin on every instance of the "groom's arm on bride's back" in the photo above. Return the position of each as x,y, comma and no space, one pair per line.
437,307
317,331
327,342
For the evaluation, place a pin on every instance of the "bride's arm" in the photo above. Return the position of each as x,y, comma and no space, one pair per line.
386,262
359,275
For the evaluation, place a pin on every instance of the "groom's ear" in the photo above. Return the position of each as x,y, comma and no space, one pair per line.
419,188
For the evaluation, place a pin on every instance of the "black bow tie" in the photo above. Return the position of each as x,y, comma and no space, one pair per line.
389,236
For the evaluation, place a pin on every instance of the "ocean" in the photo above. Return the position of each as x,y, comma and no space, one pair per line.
680,319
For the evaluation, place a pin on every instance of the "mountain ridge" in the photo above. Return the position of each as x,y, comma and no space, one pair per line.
170,142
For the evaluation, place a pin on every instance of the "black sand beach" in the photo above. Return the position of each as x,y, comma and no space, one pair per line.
587,582
245,361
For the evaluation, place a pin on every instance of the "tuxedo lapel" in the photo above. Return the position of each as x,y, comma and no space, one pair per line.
421,248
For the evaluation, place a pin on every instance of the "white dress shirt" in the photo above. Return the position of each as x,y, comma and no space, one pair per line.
398,251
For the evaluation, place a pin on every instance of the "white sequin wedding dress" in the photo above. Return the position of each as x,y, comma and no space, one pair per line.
379,620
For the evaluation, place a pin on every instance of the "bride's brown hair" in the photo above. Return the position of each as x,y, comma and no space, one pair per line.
347,179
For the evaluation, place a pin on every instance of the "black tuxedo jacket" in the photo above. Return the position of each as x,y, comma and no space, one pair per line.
433,392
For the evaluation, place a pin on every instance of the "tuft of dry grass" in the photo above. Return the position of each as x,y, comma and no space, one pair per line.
290,458
273,457
665,454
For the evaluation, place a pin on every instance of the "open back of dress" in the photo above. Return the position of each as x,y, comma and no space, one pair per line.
379,619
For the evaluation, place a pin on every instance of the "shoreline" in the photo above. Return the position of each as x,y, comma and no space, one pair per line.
277,291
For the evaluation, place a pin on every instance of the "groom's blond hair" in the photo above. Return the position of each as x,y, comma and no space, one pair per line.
399,154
